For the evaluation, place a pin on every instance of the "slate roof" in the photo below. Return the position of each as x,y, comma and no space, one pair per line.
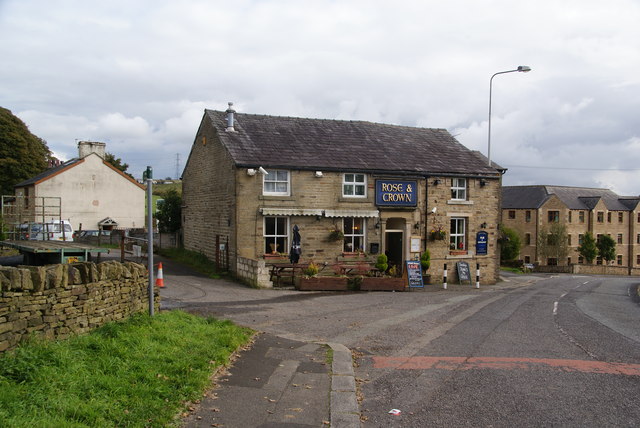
299,143
49,173
575,198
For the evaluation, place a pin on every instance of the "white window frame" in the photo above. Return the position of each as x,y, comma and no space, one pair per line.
456,236
278,235
275,178
353,234
351,180
458,189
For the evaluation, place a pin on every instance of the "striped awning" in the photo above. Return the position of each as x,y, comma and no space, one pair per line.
351,213
291,211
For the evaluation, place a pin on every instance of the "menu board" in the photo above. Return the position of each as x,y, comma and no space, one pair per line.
414,274
463,272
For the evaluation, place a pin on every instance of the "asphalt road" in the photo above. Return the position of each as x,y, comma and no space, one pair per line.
531,351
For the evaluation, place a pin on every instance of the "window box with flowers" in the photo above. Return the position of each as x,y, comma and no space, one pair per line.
459,251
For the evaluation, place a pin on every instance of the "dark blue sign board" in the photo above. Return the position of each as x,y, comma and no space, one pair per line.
396,193
414,274
482,239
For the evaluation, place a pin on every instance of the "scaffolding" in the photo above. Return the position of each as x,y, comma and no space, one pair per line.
21,214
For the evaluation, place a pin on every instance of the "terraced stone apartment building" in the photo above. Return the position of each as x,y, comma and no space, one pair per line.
531,209
350,187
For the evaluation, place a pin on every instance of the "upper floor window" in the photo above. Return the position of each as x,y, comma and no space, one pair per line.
276,182
569,217
619,238
354,185
353,234
620,217
527,216
600,217
609,217
581,216
459,189
527,239
554,216
512,214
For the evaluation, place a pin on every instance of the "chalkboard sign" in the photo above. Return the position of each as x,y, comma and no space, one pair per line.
463,272
414,274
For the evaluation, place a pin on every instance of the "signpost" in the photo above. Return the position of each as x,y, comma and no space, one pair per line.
414,274
463,272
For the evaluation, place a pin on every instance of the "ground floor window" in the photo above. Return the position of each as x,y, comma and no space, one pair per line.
276,235
457,233
552,261
619,260
353,228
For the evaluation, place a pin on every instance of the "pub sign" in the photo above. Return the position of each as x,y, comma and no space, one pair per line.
482,239
396,193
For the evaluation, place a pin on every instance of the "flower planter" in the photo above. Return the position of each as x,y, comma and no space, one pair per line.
384,283
458,252
323,283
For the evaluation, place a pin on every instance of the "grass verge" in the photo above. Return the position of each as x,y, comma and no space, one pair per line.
197,261
140,373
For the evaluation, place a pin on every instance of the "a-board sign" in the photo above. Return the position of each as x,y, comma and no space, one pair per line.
463,272
414,274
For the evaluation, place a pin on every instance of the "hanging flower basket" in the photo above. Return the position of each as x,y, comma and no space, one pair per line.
438,234
335,234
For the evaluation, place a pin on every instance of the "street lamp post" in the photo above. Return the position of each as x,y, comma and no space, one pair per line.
522,69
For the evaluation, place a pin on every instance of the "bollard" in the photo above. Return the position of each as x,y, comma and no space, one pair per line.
478,275
444,282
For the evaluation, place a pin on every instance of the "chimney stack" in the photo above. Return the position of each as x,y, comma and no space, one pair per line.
230,119
85,148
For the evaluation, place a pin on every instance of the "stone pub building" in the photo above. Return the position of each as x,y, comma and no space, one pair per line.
351,187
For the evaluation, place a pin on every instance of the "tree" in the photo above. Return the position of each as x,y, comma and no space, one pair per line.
22,154
606,248
510,244
117,162
169,213
588,248
553,242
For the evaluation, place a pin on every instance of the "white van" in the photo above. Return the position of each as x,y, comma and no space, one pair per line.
56,230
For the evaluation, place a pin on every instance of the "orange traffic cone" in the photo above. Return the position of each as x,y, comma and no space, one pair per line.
159,278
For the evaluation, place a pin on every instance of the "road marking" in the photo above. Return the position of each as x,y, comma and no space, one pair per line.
555,308
500,363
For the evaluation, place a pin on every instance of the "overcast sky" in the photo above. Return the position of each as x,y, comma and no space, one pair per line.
139,74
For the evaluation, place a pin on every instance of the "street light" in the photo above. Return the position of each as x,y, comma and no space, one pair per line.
522,69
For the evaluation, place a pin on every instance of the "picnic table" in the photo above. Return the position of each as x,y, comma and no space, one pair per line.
357,269
282,271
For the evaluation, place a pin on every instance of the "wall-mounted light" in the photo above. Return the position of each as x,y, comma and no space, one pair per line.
436,181
318,174
416,226
377,225
483,226
263,171
318,217
483,183
251,172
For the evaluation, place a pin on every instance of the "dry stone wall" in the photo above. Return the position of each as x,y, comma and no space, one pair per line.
56,301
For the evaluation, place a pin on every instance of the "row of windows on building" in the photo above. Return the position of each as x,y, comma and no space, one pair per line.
554,261
620,240
554,216
278,183
276,234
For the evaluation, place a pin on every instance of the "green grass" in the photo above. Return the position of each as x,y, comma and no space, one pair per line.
197,261
136,373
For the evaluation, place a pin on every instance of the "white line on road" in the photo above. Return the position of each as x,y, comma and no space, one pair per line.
555,308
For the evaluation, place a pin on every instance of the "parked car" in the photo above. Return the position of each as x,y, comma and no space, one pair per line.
88,233
52,231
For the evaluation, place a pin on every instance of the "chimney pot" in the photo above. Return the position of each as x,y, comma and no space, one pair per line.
230,119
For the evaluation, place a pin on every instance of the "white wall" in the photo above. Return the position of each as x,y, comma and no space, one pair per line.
92,191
